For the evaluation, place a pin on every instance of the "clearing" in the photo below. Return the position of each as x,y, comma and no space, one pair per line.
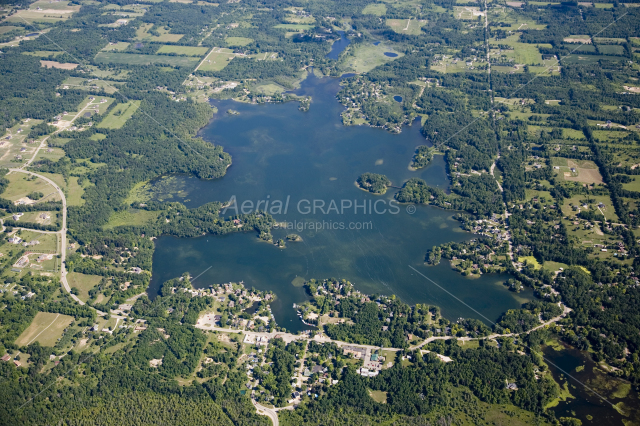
364,58
406,26
84,283
46,328
143,34
183,50
21,185
238,41
58,65
119,115
138,59
217,59
130,217
375,9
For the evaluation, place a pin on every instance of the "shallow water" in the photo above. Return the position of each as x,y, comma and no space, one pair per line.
280,153
594,391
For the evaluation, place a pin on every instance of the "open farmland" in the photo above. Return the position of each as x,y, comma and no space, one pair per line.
183,50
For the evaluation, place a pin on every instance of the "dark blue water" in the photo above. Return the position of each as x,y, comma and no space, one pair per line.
375,43
338,46
390,54
397,98
32,34
280,152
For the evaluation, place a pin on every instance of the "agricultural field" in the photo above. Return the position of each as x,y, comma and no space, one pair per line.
406,26
611,50
523,53
42,53
119,115
589,59
183,50
110,87
46,329
84,283
366,57
136,59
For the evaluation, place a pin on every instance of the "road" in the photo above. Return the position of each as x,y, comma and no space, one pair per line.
62,232
267,412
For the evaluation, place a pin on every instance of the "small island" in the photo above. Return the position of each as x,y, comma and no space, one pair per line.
373,182
294,237
422,157
232,112
280,243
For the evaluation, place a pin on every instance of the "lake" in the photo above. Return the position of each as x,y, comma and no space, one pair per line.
311,159
338,46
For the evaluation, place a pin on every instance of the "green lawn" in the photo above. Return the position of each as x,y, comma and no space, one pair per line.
46,328
119,115
184,50
48,242
84,283
137,59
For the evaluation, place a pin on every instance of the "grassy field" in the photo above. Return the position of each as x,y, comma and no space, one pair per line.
84,283
238,41
589,59
143,34
136,59
21,184
48,242
72,190
184,50
522,53
119,115
46,328
608,209
611,50
42,53
116,47
367,57
7,28
378,396
131,217
530,260
54,155
375,9
406,26
269,89
467,13
632,186
217,60
295,27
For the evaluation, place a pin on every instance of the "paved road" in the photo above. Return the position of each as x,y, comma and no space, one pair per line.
62,232
267,412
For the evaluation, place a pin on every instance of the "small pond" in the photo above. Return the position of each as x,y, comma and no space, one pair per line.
391,54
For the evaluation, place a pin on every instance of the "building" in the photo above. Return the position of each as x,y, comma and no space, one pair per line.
6,358
357,352
15,240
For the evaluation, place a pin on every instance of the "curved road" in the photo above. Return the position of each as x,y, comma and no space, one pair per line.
267,412
62,232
